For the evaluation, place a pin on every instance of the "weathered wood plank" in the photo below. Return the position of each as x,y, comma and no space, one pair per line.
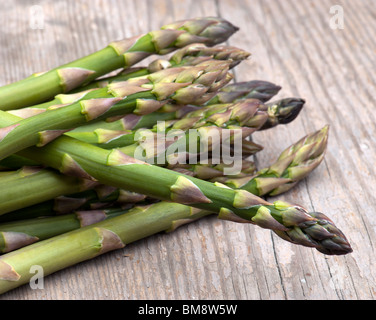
292,45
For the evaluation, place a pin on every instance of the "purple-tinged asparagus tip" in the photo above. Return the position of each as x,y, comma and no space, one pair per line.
283,111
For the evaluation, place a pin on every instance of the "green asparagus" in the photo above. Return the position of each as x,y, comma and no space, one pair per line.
88,242
281,111
189,55
28,186
17,234
293,165
112,167
113,134
118,54
141,95
256,89
265,179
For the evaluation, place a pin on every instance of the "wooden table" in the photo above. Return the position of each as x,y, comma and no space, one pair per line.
293,44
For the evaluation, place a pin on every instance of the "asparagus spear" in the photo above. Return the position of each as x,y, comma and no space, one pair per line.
118,133
22,190
118,54
250,90
63,200
292,166
60,198
111,135
280,111
15,235
139,95
240,115
264,184
88,242
55,217
31,185
51,218
243,113
15,162
112,167
189,55
27,229
256,89
115,168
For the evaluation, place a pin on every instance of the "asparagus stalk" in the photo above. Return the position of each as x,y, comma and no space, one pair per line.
112,167
29,227
142,95
43,193
91,241
15,162
189,55
31,185
95,197
122,132
280,112
23,190
242,113
118,54
256,89
59,202
223,115
17,234
260,177
51,218
12,199
43,190
90,133
112,135
88,242
261,90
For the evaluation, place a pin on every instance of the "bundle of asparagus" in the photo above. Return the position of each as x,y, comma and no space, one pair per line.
91,163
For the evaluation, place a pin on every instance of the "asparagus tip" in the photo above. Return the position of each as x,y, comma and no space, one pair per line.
314,229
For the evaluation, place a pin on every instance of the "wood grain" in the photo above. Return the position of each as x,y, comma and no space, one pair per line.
292,45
